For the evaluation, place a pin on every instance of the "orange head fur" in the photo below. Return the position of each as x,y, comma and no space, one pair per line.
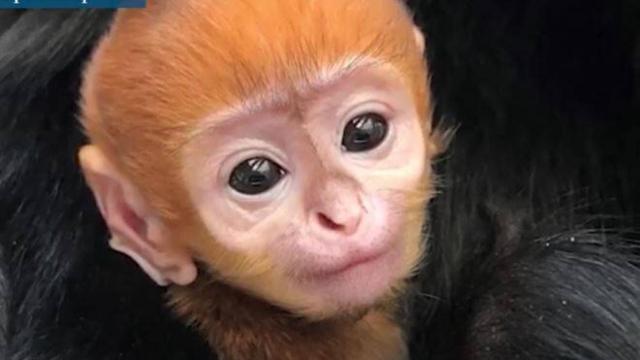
161,69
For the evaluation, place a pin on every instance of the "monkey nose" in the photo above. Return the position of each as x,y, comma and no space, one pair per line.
345,223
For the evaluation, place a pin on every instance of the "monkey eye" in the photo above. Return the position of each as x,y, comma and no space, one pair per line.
364,132
255,176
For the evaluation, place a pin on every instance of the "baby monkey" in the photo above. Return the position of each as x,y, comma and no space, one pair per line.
269,161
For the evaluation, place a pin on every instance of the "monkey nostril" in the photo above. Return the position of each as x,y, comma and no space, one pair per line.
326,222
346,226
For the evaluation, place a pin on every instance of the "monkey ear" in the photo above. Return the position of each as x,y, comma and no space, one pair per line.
419,36
136,231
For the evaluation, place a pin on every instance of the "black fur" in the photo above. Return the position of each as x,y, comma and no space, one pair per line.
69,296
3,310
570,297
546,98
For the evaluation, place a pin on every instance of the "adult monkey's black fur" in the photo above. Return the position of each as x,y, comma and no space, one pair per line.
547,95
69,296
516,86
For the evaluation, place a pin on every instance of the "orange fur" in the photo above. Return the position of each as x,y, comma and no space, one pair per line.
161,69
241,327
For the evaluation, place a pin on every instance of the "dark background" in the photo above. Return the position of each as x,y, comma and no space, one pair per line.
545,96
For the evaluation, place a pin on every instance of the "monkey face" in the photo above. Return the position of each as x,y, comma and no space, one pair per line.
317,189
290,158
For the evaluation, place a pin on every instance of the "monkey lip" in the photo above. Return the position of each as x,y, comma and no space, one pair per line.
351,263
359,278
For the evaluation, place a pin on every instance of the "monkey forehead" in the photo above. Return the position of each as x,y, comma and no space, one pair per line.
178,59
294,98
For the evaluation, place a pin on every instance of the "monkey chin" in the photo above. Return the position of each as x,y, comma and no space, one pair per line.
358,286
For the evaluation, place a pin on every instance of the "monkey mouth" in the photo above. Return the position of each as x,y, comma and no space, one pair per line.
350,264
359,280
373,268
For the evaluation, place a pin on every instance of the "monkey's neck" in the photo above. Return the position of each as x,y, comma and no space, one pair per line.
241,327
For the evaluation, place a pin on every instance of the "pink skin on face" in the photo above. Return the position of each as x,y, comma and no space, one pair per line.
333,224
350,269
